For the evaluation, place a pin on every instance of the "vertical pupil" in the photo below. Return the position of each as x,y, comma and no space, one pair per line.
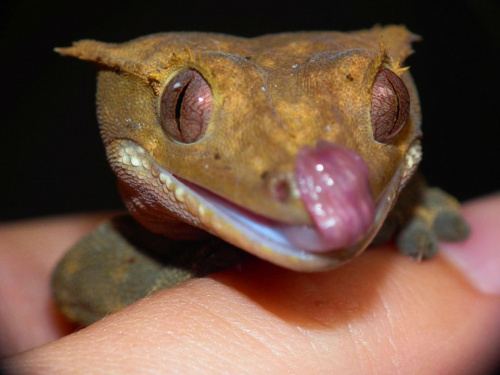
398,106
186,106
178,106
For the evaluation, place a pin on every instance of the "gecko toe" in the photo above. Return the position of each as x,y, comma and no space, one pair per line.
451,226
417,241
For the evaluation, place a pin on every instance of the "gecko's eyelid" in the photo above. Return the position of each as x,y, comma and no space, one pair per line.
186,106
390,105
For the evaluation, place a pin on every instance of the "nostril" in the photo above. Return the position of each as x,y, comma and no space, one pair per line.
280,190
280,186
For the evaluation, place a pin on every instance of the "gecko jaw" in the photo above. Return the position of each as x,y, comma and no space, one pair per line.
260,236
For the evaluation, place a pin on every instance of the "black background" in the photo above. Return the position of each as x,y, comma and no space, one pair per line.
52,160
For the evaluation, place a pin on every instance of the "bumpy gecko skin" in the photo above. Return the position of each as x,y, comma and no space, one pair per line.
293,147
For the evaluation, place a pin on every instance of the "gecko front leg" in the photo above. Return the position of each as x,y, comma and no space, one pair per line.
121,262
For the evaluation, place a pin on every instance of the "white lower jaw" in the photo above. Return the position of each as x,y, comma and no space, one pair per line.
261,237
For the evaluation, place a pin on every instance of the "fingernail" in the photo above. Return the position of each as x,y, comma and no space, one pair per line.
478,257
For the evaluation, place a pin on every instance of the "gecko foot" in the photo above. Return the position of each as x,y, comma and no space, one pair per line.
436,218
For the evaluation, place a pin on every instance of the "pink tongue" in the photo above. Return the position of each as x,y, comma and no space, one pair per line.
334,186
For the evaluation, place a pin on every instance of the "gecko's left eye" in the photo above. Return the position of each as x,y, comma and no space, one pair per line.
186,106
390,105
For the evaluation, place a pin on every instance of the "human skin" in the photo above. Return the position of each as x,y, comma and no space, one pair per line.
380,314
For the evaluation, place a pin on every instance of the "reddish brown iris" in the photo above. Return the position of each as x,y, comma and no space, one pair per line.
390,105
186,106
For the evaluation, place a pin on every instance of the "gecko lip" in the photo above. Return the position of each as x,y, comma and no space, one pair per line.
298,242
253,233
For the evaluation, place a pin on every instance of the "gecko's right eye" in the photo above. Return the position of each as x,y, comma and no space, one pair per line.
186,106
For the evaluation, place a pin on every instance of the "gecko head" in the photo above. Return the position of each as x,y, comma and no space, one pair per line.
292,147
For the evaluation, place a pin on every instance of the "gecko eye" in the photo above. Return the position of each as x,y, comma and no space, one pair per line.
186,106
390,105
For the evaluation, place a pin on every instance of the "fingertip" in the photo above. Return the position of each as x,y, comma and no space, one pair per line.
478,257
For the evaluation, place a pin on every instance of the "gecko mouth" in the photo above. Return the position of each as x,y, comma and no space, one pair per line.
334,186
303,248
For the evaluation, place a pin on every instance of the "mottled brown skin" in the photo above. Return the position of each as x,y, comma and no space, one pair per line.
272,95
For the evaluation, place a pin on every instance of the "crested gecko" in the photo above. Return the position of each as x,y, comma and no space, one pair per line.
294,147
